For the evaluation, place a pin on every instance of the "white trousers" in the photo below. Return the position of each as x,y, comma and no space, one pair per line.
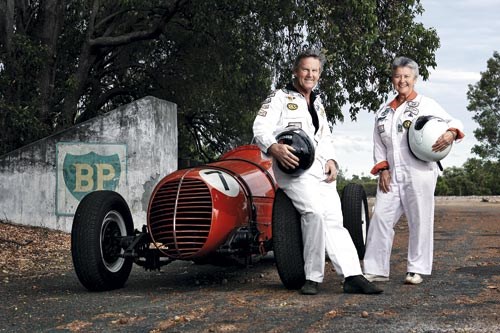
416,201
322,224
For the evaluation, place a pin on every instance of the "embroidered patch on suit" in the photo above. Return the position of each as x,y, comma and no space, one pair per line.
296,124
262,113
292,106
406,124
384,113
381,128
322,112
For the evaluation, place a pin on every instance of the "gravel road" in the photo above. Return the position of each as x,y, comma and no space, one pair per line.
41,293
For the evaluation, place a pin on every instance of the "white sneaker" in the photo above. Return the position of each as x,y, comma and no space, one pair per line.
376,278
413,278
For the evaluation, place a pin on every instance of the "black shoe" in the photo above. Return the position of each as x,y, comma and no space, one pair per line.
309,288
358,284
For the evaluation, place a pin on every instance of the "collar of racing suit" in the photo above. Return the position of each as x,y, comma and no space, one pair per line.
312,110
396,102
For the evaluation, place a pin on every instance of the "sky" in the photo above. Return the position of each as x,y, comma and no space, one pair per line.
469,32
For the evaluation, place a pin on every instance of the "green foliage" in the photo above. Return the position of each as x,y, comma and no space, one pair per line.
369,183
217,60
484,101
360,39
20,120
476,177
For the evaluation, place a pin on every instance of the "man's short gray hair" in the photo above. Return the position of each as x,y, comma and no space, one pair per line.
309,53
405,62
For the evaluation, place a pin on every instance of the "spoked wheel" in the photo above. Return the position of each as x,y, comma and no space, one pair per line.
287,242
101,220
356,215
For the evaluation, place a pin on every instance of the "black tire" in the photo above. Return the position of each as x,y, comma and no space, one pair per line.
287,242
102,217
356,215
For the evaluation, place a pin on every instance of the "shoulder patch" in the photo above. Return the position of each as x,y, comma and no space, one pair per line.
271,95
262,113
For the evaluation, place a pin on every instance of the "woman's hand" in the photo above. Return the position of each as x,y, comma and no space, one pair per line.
384,181
444,141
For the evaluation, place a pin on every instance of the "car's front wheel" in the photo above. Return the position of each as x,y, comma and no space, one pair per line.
101,220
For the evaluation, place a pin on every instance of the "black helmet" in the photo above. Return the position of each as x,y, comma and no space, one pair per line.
304,149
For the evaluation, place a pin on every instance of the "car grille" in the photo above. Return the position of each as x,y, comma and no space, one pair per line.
180,217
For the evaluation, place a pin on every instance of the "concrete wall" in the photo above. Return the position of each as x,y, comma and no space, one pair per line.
127,150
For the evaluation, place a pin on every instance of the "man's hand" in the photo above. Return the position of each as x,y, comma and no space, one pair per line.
331,171
284,155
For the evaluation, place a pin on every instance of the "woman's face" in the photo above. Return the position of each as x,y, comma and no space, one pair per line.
403,80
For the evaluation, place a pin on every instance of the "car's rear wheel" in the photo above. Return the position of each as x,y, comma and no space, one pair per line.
356,215
101,220
287,242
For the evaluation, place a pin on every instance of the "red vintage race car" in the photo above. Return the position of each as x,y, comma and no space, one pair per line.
231,209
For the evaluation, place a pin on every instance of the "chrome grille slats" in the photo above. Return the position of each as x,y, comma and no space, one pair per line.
180,217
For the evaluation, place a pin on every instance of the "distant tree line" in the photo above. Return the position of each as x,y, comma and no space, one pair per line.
475,177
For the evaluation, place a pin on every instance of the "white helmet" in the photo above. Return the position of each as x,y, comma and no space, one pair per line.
422,134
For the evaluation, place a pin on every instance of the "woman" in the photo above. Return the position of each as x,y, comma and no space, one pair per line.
406,184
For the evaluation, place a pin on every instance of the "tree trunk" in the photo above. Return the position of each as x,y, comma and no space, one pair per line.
48,30
6,24
86,59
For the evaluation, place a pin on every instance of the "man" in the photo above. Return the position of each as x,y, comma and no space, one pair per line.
314,192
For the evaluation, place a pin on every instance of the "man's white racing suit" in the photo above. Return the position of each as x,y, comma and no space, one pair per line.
317,201
411,189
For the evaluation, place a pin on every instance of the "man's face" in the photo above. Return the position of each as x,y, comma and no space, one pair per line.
307,74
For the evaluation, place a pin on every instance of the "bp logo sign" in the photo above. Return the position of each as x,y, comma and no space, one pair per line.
90,172
83,168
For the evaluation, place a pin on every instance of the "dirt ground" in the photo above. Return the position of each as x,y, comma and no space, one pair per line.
40,291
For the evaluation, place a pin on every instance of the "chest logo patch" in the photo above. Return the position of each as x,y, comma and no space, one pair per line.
262,113
407,124
292,106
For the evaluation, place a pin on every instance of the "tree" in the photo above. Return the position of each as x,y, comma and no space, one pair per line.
484,101
217,60
476,177
28,40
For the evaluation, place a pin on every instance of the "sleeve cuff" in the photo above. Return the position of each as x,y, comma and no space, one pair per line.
460,134
379,166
